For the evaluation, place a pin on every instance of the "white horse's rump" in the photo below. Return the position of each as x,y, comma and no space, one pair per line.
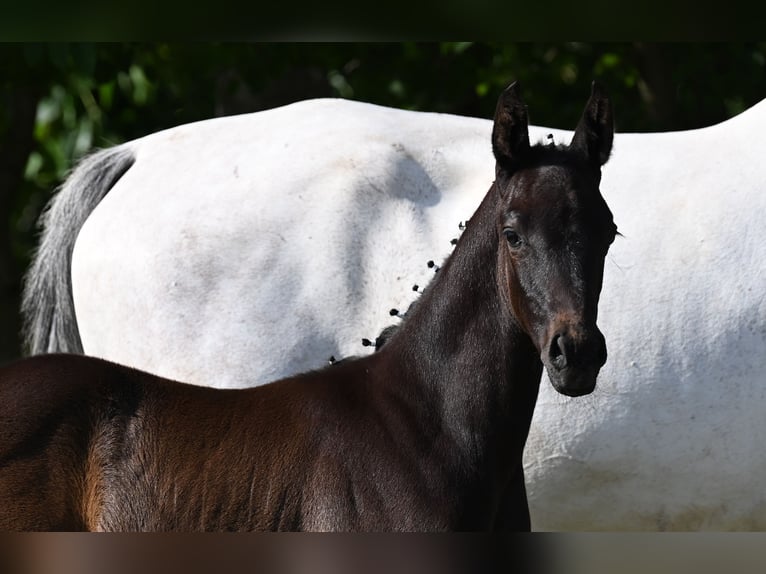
272,241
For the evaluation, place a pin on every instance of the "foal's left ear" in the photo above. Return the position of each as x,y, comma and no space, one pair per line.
595,132
510,133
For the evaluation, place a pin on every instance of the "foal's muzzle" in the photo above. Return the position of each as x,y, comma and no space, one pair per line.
573,358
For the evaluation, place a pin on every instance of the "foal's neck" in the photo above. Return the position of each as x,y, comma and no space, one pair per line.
461,349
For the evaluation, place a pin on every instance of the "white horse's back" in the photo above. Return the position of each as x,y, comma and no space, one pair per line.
272,241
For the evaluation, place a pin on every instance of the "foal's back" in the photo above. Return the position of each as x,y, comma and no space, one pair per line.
90,445
86,444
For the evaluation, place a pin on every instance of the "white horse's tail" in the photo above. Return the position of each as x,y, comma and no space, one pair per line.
47,307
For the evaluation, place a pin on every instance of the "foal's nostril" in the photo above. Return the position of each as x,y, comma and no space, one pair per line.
557,351
566,351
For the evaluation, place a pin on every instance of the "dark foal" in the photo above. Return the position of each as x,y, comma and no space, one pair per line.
426,434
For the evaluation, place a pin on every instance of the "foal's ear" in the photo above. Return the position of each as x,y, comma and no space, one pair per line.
510,134
595,132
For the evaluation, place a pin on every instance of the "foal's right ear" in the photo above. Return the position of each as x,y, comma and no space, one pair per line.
510,134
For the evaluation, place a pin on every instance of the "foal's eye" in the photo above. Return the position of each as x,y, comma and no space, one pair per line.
513,238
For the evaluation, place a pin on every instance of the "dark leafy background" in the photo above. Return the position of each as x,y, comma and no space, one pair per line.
60,100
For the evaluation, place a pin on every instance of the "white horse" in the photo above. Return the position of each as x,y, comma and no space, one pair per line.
278,239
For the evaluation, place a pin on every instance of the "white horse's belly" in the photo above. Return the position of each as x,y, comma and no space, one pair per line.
279,239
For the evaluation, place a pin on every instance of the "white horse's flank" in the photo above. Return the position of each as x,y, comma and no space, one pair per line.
269,242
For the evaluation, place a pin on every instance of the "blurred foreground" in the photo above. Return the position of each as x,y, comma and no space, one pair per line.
383,553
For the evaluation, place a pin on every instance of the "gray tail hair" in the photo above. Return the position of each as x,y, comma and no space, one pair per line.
47,307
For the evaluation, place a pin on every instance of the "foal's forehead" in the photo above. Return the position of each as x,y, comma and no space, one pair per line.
558,197
554,187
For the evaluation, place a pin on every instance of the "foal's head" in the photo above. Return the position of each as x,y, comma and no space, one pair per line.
555,230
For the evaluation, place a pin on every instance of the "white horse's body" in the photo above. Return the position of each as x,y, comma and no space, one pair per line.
239,250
